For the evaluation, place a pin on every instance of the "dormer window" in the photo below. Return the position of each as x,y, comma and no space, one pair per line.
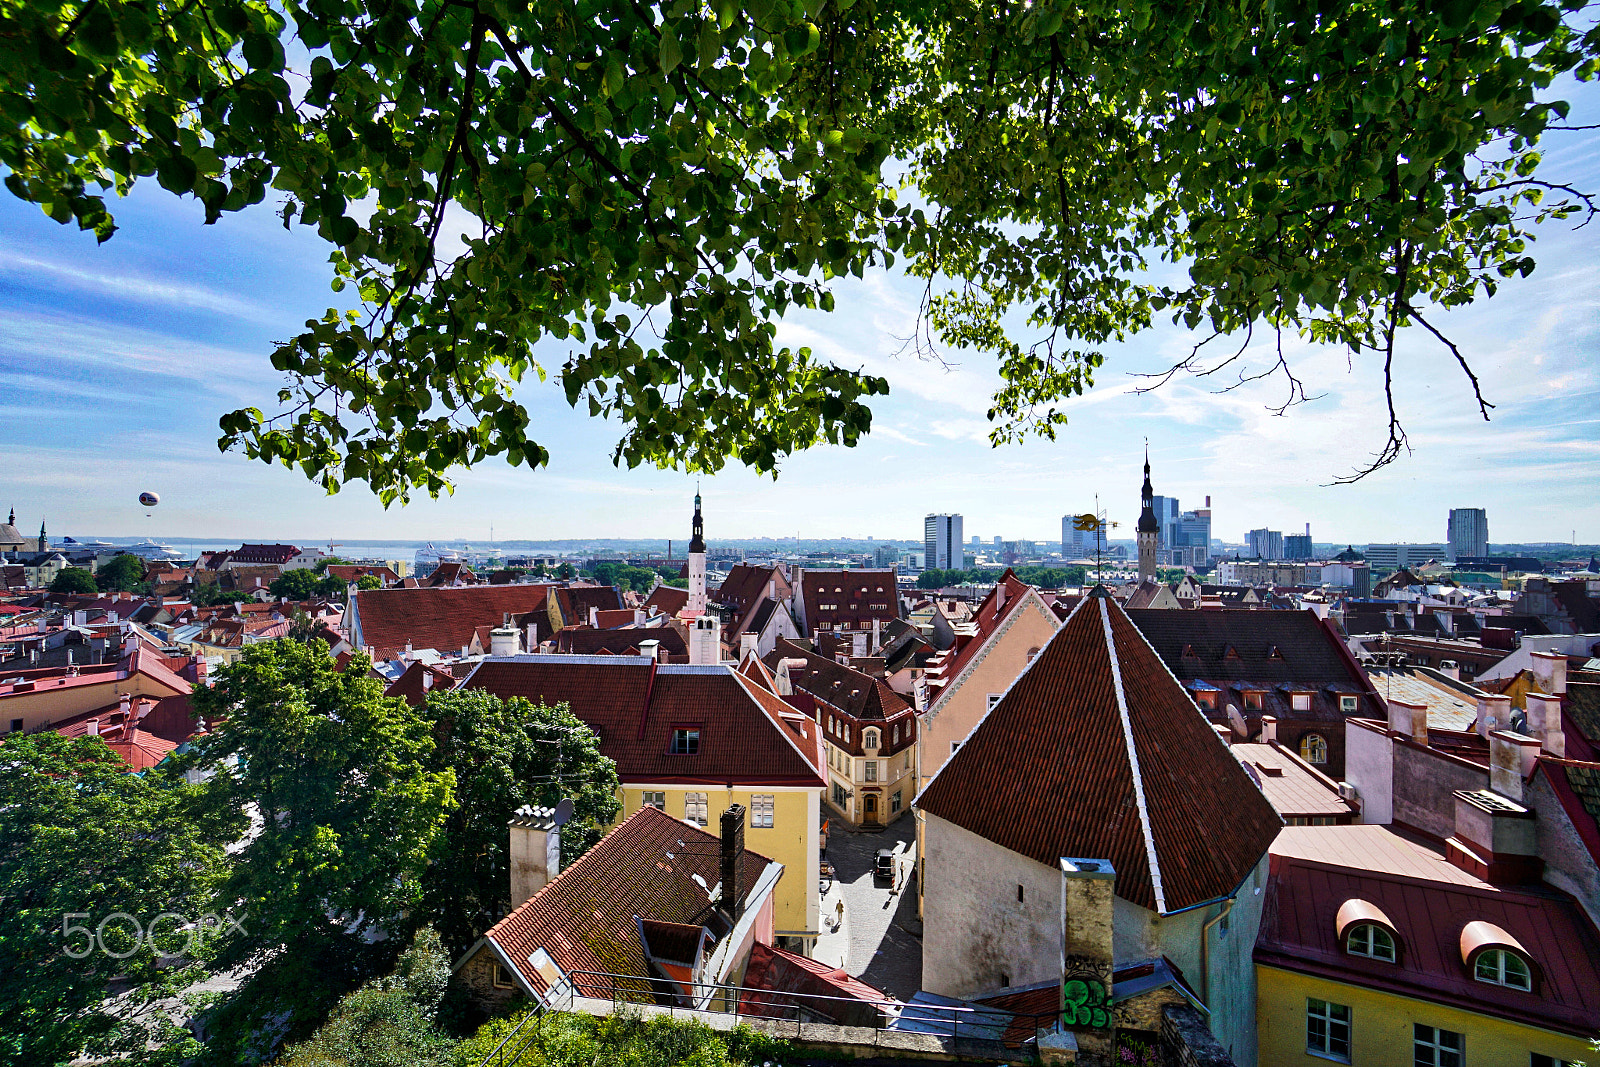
1371,941
686,741
1300,701
869,738
1500,966
1252,701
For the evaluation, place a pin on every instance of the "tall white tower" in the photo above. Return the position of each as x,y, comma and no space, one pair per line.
1149,528
697,565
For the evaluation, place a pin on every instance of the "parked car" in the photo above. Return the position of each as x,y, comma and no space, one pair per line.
883,865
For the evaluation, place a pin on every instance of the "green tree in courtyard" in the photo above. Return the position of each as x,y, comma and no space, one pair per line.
99,870
652,185
123,572
369,581
346,807
73,580
504,754
303,583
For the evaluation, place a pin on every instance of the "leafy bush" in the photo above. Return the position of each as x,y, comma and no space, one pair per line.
623,1040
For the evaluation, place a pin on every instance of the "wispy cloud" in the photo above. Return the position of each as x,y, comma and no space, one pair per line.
132,286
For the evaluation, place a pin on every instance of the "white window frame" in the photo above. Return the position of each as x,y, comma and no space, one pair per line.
992,700
762,806
1321,1041
1349,705
1372,941
694,803
1429,1041
1300,701
1496,958
655,798
869,770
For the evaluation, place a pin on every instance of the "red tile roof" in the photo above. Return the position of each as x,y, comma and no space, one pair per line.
645,868
667,599
992,612
582,641
744,737
349,572
1316,870
417,681
266,554
833,599
826,991
386,619
1097,751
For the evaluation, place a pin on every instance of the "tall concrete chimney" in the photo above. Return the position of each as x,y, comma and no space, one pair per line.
1086,955
1269,728
1409,720
1511,759
1494,713
535,848
1544,722
1550,671
747,644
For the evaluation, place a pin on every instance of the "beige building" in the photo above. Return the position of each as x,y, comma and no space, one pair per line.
990,651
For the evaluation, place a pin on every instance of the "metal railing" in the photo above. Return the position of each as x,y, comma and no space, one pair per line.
879,1015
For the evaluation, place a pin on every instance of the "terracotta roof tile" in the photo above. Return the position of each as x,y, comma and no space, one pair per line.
635,709
644,869
444,619
853,598
667,599
1095,740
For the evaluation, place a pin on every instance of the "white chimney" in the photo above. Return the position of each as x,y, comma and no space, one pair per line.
535,848
505,641
124,702
877,636
1544,722
1511,759
1494,712
594,617
1269,728
650,649
1409,720
531,642
1550,671
1449,668
92,728
747,645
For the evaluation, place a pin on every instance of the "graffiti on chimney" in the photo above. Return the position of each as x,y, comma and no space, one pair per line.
1083,995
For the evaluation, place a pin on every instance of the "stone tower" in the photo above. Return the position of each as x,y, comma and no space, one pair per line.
1149,529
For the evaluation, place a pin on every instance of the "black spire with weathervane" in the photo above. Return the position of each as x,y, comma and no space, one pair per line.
1147,517
698,542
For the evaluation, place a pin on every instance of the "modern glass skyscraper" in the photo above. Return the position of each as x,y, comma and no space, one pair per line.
941,542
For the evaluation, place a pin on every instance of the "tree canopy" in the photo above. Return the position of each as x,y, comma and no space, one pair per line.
74,580
652,184
303,583
122,572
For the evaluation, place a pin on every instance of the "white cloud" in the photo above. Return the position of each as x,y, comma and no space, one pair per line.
134,287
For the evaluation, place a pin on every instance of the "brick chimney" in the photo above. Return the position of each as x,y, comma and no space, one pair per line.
732,854
535,849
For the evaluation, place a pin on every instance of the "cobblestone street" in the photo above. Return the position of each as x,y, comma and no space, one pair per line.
879,939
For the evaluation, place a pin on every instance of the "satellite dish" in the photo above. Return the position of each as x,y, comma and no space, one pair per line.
563,811
149,500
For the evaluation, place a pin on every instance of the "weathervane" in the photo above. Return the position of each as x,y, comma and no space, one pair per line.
1095,521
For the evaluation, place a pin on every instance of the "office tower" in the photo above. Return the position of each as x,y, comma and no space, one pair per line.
1468,532
1266,544
941,540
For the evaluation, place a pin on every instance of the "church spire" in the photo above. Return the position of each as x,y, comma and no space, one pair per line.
1149,530
697,543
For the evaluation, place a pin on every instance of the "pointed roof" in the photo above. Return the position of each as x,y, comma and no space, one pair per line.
697,542
1096,750
1147,516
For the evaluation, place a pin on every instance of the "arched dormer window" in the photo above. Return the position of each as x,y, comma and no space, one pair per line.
1494,956
1371,941
1503,967
1314,749
1032,652
1364,930
869,738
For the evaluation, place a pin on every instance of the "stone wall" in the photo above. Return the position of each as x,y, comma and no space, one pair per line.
476,975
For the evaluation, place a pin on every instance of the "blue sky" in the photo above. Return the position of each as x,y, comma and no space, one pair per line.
116,360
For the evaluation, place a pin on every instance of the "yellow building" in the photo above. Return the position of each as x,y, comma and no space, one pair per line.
1375,950
692,740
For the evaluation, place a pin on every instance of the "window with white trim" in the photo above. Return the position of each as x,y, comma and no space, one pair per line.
1328,1029
954,745
869,738
1433,1047
1300,701
761,805
502,977
655,799
1349,705
696,808
993,699
1314,748
1373,942
1500,966
869,770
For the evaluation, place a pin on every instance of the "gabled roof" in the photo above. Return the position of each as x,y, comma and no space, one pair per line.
746,584
667,599
1096,750
417,681
992,612
635,706
849,690
582,641
436,618
652,866
834,598
575,601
